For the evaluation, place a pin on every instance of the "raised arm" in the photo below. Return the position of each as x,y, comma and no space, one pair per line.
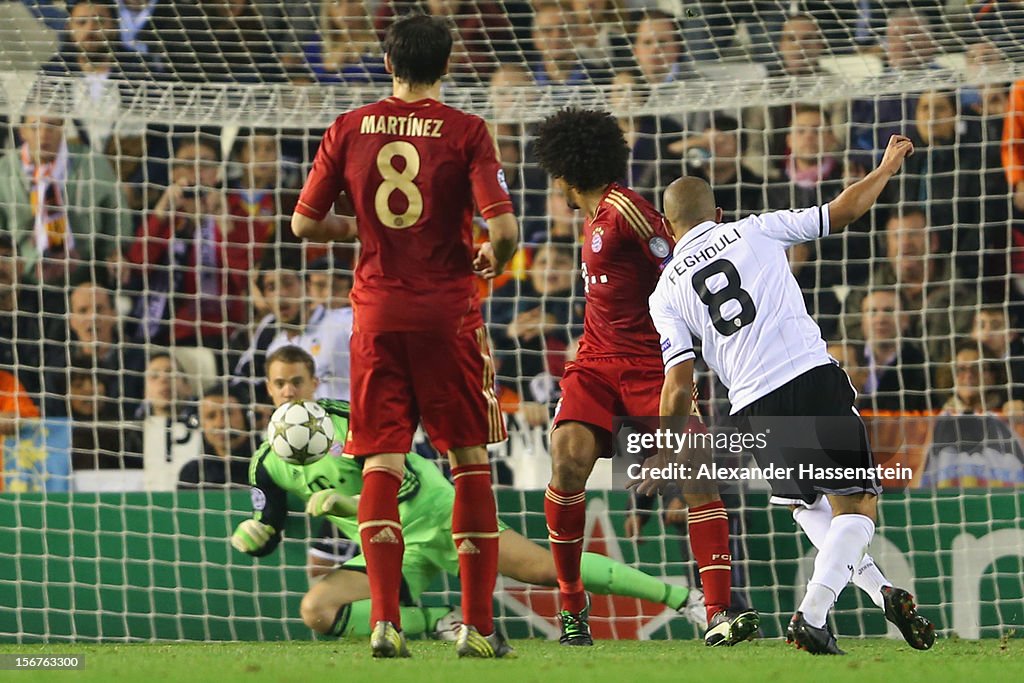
855,200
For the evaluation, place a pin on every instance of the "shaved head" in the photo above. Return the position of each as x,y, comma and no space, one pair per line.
689,201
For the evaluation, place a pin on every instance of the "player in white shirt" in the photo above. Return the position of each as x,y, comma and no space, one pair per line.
730,286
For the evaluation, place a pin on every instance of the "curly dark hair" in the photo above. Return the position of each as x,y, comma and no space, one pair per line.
586,148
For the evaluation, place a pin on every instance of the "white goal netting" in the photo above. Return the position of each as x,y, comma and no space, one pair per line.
151,153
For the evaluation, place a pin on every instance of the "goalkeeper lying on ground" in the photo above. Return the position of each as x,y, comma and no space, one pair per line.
339,604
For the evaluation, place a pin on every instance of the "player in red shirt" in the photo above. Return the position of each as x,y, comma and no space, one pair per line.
618,370
411,168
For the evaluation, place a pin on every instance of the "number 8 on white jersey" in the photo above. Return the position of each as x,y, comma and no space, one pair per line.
730,286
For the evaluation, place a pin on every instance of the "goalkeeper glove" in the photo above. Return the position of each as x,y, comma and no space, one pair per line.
331,502
251,535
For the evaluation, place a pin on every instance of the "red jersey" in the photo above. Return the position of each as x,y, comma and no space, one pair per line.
625,246
412,171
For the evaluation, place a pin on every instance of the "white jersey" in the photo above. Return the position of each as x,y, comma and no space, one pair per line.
326,338
730,285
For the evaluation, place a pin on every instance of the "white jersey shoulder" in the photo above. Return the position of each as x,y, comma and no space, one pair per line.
729,285
326,338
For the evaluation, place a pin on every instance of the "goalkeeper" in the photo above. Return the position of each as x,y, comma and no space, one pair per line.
339,604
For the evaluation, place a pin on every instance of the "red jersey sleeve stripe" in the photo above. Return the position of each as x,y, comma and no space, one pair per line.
308,211
631,214
491,210
644,225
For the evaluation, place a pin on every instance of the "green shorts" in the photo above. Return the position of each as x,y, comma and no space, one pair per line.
428,554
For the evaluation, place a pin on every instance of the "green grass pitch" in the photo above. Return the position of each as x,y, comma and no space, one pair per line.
768,661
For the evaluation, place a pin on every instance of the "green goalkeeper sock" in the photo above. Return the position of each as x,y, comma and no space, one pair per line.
605,576
354,620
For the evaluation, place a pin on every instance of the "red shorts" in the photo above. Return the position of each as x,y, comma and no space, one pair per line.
597,390
399,379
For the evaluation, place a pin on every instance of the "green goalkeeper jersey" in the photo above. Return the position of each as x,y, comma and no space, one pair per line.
425,499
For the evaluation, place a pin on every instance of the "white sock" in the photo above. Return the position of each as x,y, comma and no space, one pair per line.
870,579
847,539
815,521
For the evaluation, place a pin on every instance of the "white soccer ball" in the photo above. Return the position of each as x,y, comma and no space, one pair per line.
300,432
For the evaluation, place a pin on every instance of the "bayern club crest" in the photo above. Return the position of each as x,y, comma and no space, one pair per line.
659,246
597,241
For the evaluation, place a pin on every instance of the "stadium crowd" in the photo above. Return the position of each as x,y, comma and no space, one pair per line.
124,246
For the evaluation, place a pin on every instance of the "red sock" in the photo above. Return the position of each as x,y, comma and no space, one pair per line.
566,515
380,532
709,541
475,531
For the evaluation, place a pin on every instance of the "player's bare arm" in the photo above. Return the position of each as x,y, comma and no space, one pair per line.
494,255
676,399
855,200
331,228
677,392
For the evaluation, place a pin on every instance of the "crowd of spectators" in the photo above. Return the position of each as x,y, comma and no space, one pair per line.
122,242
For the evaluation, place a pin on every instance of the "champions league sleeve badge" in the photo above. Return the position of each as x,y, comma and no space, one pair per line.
259,499
658,246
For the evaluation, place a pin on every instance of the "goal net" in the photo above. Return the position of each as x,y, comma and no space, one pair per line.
152,154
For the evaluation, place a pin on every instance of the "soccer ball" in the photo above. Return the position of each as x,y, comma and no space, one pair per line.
300,432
